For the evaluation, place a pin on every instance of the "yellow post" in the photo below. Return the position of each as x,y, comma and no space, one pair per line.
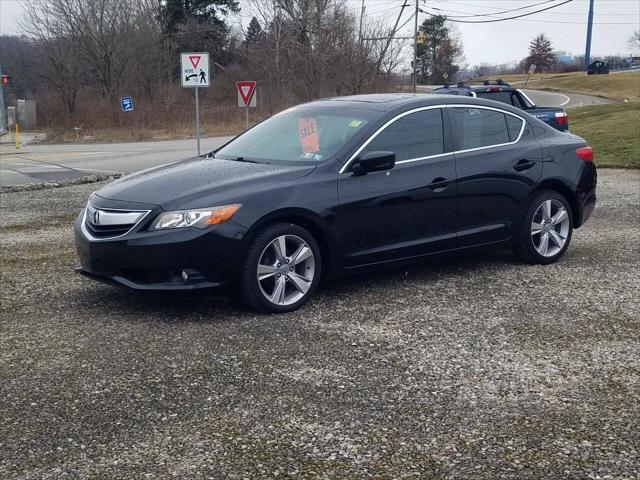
17,136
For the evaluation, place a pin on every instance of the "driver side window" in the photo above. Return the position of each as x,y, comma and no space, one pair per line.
416,135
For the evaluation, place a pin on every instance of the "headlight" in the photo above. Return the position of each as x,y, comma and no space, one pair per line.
200,218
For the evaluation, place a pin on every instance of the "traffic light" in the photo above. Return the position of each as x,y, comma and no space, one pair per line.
421,37
6,80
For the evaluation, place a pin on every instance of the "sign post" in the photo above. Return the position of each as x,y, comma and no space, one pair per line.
194,73
246,98
126,105
532,70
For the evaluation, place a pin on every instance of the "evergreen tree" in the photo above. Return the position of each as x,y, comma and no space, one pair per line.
440,53
204,12
540,53
254,32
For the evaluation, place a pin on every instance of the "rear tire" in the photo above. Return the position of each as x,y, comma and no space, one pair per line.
282,269
545,230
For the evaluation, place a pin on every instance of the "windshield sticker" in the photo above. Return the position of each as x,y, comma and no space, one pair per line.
355,123
308,131
474,111
311,156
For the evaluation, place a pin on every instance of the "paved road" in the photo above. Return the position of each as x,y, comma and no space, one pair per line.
569,100
42,163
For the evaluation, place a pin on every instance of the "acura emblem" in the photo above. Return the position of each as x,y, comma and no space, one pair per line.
96,217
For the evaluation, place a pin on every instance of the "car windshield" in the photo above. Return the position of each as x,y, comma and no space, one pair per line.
297,135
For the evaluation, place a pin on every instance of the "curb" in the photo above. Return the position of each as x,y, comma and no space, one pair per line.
61,183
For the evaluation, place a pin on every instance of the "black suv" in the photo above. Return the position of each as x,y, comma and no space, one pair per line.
503,92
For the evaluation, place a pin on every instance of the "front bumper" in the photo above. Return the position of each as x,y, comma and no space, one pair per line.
176,259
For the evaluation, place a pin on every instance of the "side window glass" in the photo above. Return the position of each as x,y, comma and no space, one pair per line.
514,125
516,101
415,135
478,127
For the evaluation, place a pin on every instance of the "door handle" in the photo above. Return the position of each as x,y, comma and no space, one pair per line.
523,165
439,184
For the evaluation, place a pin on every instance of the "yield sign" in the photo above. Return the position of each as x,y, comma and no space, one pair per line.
245,92
195,60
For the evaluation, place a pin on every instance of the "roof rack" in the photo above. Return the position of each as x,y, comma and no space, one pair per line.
496,82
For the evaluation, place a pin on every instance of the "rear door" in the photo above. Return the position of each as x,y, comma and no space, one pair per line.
498,161
406,211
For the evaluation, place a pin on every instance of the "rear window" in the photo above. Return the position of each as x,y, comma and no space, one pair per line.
479,127
510,98
514,125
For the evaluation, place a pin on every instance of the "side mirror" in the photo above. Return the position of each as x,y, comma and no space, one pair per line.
376,161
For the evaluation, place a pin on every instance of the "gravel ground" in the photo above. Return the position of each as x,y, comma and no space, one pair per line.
472,366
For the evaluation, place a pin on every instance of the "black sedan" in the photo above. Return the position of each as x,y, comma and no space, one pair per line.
337,186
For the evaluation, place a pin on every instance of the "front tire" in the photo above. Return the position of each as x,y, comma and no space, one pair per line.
545,230
282,269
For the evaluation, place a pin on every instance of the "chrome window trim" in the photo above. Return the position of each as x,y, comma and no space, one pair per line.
86,233
526,97
344,168
409,160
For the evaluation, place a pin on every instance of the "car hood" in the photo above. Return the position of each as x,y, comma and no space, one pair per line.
180,184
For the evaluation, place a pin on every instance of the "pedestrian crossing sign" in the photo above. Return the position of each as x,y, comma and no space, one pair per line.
194,70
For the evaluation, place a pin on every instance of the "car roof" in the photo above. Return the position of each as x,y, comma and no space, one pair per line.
478,88
384,102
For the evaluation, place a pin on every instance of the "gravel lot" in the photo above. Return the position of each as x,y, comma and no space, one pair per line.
467,367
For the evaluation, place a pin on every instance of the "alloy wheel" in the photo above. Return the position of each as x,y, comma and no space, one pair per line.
550,227
286,270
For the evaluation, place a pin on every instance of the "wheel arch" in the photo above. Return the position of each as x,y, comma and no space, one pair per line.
310,221
562,188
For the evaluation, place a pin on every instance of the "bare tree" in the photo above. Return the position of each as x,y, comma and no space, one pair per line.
634,40
96,29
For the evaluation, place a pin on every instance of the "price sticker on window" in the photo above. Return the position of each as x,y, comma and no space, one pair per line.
308,131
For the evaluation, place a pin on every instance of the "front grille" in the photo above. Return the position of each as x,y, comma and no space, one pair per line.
107,231
104,223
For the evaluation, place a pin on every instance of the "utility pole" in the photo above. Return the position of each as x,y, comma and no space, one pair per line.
276,8
587,53
3,112
390,38
360,29
415,48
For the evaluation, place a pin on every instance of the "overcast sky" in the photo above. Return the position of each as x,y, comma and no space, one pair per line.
501,42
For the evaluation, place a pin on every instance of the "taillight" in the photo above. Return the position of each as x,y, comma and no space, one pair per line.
494,89
562,118
585,153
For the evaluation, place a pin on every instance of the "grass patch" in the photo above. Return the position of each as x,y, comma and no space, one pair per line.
146,134
616,86
612,130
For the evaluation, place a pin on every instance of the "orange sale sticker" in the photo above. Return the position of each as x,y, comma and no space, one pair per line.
308,135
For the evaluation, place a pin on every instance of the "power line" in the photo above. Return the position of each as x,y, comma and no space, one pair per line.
452,18
502,19
486,7
503,11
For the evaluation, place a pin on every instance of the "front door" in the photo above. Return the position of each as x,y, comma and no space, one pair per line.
406,211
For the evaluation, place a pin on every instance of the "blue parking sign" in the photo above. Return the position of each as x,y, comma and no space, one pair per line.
126,103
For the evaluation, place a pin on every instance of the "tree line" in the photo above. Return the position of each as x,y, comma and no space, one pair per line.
78,56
